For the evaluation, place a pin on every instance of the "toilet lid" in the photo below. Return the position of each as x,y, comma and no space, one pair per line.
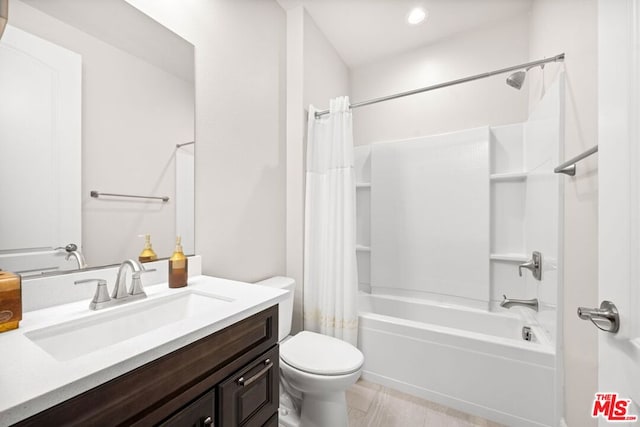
321,354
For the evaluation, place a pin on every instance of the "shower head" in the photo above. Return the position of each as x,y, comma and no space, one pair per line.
516,79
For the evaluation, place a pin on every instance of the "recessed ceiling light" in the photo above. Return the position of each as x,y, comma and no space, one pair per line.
416,16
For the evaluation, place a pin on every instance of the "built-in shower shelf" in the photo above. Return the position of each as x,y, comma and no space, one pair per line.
511,176
512,257
363,185
362,248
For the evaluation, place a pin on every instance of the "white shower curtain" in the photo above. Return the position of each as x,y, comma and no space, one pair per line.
330,272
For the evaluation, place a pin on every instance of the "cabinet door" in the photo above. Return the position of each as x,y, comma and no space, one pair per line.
250,397
273,421
197,414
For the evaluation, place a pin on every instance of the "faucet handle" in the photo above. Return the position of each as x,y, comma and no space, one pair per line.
69,248
528,265
101,297
534,264
136,282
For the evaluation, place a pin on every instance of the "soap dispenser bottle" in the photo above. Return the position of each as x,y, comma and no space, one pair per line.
178,267
147,253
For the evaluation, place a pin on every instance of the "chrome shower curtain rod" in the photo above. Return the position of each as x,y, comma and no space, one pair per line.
556,58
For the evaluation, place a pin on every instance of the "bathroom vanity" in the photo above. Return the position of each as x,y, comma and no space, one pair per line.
228,378
206,354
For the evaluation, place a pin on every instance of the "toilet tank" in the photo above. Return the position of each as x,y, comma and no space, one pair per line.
285,308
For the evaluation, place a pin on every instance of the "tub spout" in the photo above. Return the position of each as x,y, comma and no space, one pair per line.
530,303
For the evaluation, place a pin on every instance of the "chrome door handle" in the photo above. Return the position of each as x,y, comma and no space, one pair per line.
534,264
605,318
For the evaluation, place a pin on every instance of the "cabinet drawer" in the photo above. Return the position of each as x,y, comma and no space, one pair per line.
200,413
250,397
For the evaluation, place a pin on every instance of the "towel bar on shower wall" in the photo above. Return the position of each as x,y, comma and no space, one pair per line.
569,167
97,194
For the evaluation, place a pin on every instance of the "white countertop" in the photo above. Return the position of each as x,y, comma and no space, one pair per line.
31,380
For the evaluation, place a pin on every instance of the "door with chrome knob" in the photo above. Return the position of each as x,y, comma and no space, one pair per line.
605,318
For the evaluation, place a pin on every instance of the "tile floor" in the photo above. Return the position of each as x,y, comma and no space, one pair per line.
372,405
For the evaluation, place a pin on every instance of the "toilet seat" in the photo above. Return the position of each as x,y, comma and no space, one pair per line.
320,354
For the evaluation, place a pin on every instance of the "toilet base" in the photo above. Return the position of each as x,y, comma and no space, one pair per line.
287,418
324,410
318,410
288,412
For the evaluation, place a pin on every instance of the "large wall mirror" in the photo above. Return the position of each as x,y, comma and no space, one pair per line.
96,97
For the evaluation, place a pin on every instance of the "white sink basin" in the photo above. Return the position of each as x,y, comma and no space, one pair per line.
69,340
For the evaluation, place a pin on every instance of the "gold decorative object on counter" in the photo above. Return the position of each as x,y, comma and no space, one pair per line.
10,301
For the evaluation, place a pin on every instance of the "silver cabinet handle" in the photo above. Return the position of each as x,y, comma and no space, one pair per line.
208,421
605,318
268,365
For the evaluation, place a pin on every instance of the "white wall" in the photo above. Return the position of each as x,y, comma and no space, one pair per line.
479,103
326,75
240,138
133,114
315,74
570,26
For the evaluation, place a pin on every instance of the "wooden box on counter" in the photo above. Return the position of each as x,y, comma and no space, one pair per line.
10,301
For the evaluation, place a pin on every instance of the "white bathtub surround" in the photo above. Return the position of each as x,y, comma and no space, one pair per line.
464,358
430,216
331,282
427,314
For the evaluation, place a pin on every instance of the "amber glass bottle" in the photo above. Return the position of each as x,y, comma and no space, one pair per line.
178,267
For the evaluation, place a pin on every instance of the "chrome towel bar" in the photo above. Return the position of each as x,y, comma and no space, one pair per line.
97,194
569,167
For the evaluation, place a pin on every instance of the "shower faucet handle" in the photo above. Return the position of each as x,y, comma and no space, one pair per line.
534,264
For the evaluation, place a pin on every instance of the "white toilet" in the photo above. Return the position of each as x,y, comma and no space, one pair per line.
315,370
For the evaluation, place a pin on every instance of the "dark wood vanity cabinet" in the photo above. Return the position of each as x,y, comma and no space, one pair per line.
250,397
229,378
201,413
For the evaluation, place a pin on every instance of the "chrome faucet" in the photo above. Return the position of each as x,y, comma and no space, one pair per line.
82,263
73,251
120,289
120,294
530,303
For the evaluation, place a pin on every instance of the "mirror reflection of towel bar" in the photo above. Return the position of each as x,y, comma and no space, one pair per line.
97,194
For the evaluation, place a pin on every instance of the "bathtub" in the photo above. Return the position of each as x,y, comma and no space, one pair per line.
468,359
